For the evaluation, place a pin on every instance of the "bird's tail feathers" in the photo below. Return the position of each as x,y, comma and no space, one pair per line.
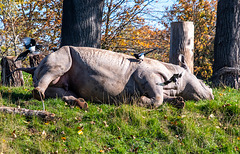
151,51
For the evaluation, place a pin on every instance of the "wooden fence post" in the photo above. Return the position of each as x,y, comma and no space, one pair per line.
182,42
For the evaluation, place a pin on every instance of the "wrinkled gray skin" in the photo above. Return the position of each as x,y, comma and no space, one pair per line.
105,76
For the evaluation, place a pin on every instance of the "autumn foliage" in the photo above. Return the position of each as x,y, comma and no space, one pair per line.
123,30
40,20
203,15
136,36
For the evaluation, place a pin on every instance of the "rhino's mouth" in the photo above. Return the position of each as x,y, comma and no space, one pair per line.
207,90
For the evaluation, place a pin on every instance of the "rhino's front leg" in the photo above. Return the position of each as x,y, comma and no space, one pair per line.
67,96
151,102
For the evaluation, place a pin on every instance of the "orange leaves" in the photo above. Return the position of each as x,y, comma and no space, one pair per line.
36,19
121,25
145,37
203,14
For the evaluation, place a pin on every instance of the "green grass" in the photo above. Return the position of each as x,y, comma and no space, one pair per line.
201,127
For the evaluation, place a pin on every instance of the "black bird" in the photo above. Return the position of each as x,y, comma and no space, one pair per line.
23,55
174,79
140,56
31,47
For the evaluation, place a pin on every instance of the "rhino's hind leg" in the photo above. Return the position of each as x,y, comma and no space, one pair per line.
177,102
74,101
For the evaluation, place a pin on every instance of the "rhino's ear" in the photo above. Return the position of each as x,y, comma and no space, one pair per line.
182,62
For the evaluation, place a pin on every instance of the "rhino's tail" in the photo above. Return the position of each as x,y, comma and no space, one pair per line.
27,70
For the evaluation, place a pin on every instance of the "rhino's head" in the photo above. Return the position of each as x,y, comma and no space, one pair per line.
191,87
195,89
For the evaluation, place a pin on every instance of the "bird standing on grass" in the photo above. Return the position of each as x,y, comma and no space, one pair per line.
140,56
31,47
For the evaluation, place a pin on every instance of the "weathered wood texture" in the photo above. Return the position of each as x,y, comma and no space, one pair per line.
35,59
182,42
227,44
8,65
81,23
29,113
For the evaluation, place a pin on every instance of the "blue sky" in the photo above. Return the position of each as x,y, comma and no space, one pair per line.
157,10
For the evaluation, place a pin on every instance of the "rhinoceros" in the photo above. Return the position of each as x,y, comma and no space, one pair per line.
82,73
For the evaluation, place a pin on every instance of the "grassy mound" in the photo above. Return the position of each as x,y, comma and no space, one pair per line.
201,127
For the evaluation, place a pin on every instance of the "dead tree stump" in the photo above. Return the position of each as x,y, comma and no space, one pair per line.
182,42
8,65
35,59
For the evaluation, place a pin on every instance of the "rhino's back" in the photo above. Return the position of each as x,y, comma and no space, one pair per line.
101,73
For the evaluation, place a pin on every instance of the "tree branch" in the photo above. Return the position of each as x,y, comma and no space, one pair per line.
27,112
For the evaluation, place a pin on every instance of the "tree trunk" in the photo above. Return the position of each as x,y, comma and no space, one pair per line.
8,65
227,44
35,59
81,23
182,42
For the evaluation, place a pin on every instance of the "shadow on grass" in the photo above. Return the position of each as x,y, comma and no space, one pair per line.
16,97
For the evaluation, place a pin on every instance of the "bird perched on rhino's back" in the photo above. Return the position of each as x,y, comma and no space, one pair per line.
140,56
31,47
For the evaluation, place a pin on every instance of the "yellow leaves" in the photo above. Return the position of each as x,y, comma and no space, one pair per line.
80,132
238,138
1,6
203,14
